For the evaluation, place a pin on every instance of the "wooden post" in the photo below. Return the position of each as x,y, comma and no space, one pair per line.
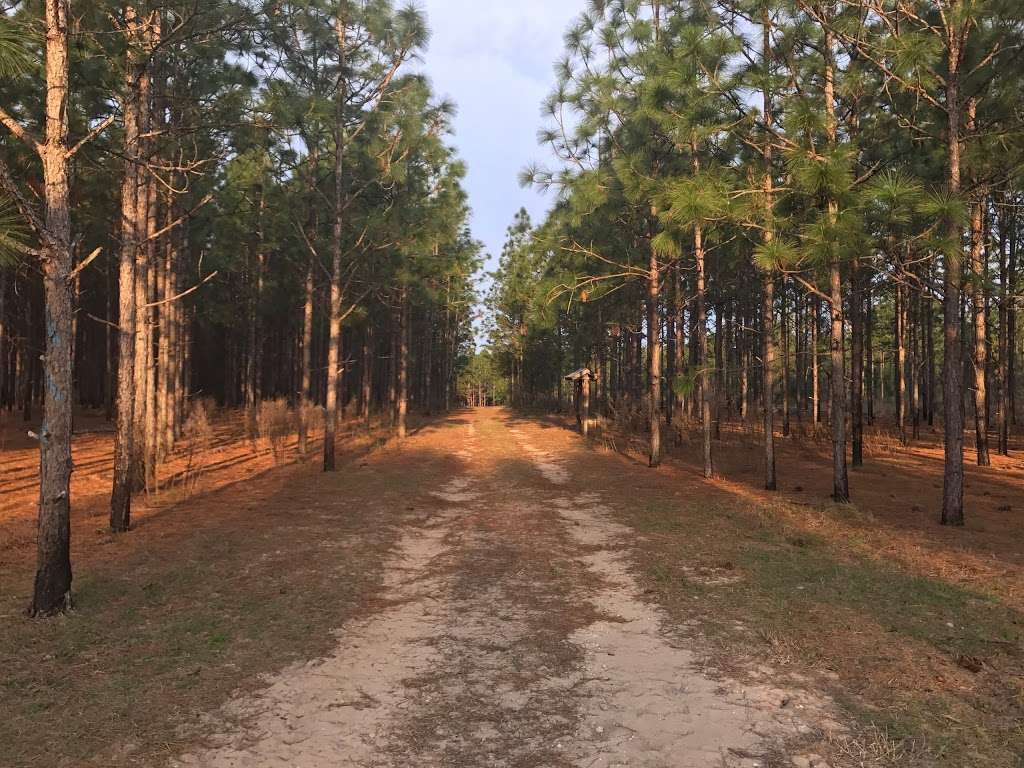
585,383
577,402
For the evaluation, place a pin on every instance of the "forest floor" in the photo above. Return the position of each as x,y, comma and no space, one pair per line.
496,591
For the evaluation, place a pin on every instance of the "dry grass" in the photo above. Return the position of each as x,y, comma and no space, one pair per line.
275,421
917,631
933,661
874,747
208,592
197,437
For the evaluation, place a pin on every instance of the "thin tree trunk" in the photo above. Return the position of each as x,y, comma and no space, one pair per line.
139,469
815,362
901,388
152,415
786,390
857,362
367,372
52,590
915,366
1003,425
679,310
840,480
745,355
952,494
654,359
670,354
869,353
334,332
952,396
704,378
767,319
128,311
169,340
403,366
978,267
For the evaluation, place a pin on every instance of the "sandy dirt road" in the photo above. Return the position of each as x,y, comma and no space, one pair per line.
513,633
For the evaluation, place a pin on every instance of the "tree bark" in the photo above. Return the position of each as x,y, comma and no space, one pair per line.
869,352
857,362
784,332
768,319
703,374
131,242
815,361
679,310
978,267
1003,425
52,590
952,396
654,359
402,406
840,479
901,388
367,397
334,332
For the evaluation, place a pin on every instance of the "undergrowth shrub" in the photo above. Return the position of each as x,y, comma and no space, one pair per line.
275,423
197,436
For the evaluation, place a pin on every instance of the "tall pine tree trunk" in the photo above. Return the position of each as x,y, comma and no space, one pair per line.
402,406
703,369
654,359
869,352
784,332
367,383
143,350
901,387
857,362
1003,425
980,330
153,259
837,399
128,310
334,332
768,313
952,395
52,590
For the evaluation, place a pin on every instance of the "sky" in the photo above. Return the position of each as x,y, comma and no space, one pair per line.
495,60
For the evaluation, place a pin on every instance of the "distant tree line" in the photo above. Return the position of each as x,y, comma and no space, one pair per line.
241,200
781,210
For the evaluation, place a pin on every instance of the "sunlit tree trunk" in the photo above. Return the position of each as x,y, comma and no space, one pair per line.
132,188
768,309
837,407
704,378
785,335
980,330
334,332
1003,425
402,406
654,359
52,591
952,396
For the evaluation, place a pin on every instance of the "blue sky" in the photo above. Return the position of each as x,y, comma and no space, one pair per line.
495,59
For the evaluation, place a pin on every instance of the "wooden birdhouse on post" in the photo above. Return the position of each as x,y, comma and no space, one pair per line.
581,397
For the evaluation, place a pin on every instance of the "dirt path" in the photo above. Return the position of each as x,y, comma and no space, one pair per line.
513,634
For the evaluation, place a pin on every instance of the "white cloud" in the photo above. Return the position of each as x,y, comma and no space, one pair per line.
495,60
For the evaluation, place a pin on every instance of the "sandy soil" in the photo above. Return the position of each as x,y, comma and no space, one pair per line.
512,633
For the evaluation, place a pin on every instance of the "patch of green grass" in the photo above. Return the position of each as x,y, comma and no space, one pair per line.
946,616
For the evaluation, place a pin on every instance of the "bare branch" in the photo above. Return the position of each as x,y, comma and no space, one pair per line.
20,132
103,125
